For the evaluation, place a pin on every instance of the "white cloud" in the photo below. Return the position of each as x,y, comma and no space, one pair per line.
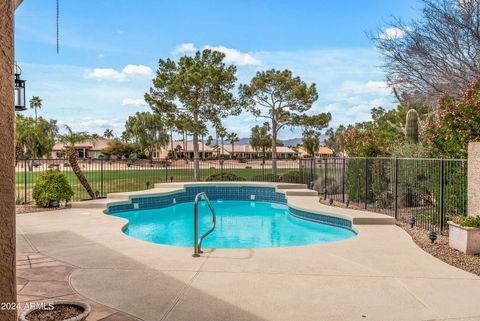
184,48
134,102
137,70
104,74
369,87
393,33
232,56
112,74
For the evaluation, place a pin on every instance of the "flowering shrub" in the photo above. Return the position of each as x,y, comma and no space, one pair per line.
456,123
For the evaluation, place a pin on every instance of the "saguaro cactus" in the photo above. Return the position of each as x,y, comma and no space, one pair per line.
411,126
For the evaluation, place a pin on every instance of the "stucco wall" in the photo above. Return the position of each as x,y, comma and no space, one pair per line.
7,161
474,179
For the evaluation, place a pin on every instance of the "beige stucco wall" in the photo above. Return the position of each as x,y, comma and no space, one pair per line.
474,179
7,161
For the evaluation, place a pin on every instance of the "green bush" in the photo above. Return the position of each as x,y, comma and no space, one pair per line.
51,186
225,176
268,177
297,177
467,221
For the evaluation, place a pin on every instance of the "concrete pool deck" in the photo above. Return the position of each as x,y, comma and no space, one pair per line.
380,274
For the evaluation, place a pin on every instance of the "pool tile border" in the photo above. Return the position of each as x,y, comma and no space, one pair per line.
223,192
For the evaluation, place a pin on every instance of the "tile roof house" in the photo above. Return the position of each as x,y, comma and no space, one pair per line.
86,149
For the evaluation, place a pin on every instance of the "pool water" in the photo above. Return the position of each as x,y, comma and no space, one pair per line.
240,224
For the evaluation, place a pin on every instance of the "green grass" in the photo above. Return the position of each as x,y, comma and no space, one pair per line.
131,179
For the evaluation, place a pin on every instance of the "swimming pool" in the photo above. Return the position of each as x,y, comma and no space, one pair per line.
240,224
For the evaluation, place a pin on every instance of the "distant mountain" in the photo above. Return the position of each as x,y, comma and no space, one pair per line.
286,142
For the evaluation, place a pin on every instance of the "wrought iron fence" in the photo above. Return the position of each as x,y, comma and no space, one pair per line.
109,176
431,190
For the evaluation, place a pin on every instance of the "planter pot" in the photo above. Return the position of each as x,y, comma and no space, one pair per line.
464,239
86,310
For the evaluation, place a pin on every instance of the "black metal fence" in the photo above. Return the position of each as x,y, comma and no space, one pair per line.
109,176
431,190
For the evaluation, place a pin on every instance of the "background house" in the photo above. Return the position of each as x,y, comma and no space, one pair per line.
87,149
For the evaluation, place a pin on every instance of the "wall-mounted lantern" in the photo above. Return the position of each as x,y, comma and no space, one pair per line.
19,90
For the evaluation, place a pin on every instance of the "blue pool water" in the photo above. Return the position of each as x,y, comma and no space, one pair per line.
240,224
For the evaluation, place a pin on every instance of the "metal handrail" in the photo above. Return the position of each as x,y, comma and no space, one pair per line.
197,246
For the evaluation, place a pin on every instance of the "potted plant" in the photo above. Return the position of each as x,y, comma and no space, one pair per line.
464,234
58,310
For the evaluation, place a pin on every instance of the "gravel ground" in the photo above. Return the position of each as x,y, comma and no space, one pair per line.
32,208
439,249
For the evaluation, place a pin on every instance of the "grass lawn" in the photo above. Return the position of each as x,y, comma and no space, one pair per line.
110,181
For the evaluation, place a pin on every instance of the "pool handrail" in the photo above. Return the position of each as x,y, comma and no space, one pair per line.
197,246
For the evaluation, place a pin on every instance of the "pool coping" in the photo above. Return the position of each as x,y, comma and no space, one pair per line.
297,197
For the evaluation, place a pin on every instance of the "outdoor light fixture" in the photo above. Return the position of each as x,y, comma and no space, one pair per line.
432,235
347,203
330,201
412,221
19,90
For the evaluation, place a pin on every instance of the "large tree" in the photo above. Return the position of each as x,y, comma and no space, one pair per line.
436,54
147,130
199,86
34,137
70,139
260,139
283,100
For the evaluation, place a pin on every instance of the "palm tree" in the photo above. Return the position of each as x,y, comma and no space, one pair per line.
232,138
108,133
35,102
70,139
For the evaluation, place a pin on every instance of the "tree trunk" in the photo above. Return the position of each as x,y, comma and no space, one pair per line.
72,159
196,160
223,152
171,143
274,147
203,148
233,150
8,288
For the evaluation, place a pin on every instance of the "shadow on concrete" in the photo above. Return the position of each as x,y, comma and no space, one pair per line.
120,282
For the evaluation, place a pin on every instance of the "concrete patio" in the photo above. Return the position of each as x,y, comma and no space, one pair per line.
378,275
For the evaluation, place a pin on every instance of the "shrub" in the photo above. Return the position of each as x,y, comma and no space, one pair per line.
332,185
268,177
467,221
242,160
297,177
51,186
225,176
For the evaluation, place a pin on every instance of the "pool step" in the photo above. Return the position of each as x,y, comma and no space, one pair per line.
291,186
300,192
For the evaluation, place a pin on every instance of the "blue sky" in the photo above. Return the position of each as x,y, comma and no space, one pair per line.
109,50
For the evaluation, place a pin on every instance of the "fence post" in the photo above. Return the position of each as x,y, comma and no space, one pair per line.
101,178
325,168
395,205
25,181
343,179
263,168
366,182
166,170
442,195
